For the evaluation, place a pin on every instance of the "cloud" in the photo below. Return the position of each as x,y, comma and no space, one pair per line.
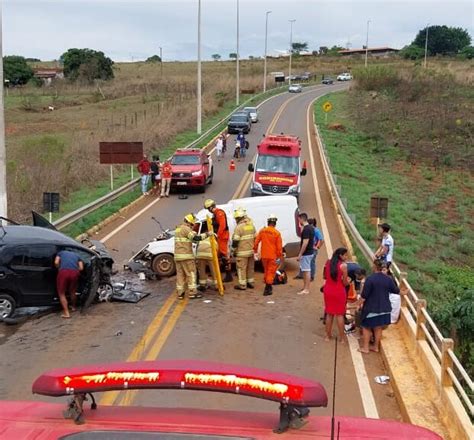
135,29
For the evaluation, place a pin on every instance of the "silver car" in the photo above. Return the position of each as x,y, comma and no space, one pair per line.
295,88
252,111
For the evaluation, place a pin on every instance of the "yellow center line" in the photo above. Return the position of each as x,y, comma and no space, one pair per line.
110,397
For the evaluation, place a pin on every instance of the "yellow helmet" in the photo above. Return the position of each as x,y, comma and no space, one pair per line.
208,203
272,218
190,218
239,213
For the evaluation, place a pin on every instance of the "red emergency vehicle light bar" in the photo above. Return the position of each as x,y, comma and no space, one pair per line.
182,374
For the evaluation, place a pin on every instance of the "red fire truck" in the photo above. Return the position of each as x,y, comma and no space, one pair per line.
277,168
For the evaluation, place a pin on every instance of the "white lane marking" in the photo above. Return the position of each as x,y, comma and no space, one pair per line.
368,401
130,220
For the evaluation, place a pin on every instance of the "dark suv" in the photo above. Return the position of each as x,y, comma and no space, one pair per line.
239,121
27,271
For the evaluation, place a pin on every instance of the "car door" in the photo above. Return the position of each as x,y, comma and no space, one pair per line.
33,269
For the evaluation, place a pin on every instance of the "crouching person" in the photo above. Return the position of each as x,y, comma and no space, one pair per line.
204,261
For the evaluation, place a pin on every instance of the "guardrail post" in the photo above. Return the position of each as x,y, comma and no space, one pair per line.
446,361
420,319
403,284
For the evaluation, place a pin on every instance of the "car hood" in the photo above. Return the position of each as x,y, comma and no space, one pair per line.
185,168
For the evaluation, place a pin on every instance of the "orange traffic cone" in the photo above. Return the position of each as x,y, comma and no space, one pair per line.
232,165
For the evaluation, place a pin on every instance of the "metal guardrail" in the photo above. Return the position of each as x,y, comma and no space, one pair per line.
96,204
450,373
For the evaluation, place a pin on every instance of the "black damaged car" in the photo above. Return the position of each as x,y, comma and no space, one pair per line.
27,271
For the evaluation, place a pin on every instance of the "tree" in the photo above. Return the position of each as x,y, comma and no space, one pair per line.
299,47
412,52
323,50
216,56
334,51
87,64
33,60
16,70
467,52
233,56
153,59
443,40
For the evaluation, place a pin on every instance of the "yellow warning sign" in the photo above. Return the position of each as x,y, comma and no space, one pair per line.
327,106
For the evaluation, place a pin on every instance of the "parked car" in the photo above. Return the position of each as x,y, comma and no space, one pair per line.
191,168
239,121
344,77
27,271
327,81
252,111
295,88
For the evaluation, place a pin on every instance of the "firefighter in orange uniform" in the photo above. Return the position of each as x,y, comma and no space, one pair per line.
221,228
271,250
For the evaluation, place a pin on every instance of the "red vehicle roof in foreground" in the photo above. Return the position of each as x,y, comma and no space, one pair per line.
45,421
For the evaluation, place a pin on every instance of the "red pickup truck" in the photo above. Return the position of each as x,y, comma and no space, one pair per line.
191,168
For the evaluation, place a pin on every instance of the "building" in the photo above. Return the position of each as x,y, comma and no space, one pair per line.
48,74
381,52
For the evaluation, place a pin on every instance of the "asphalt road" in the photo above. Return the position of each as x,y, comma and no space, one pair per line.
282,332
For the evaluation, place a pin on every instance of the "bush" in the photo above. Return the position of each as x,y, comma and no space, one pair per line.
87,65
16,70
378,78
412,52
467,53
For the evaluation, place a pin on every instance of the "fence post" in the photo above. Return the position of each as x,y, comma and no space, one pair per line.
402,283
446,362
420,319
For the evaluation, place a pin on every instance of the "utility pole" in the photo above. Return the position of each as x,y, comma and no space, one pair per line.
237,89
291,49
265,56
426,45
367,44
161,61
199,89
3,158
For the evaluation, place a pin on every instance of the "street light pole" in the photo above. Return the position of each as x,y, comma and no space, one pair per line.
265,56
3,168
291,49
367,43
237,87
199,89
426,44
161,61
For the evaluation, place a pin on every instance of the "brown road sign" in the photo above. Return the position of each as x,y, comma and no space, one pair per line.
120,152
378,207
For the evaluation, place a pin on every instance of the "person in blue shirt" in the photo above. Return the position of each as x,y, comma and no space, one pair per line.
242,141
69,269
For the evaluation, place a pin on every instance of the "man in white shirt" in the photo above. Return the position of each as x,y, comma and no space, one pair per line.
385,251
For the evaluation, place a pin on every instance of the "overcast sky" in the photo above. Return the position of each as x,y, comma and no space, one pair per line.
127,30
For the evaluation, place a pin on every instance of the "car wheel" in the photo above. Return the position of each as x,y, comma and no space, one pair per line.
7,306
164,265
105,292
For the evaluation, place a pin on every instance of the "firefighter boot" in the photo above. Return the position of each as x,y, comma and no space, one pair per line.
268,290
228,276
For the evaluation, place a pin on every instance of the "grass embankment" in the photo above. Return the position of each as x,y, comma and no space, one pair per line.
430,205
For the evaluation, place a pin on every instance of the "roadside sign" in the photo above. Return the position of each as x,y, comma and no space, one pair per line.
378,207
327,106
50,202
111,153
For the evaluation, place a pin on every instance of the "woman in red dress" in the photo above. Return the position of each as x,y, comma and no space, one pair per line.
334,289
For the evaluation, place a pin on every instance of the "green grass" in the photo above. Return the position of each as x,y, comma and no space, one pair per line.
430,211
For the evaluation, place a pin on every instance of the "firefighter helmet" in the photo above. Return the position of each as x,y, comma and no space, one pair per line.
239,213
209,203
272,218
190,218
